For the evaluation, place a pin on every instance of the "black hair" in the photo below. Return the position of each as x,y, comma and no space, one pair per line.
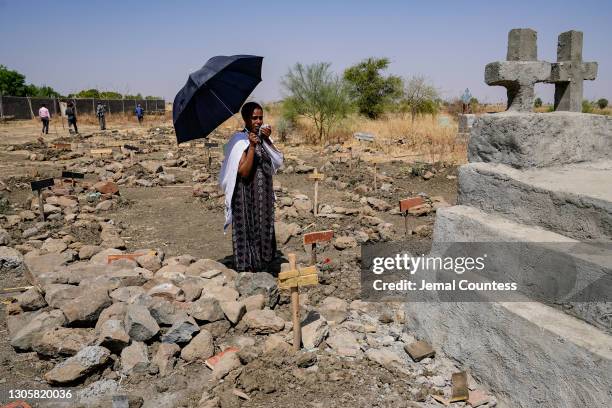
43,105
248,108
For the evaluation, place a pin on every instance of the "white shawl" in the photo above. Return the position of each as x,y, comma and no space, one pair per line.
229,168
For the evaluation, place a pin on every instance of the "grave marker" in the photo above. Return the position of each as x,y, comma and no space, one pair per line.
521,70
62,146
460,391
316,176
116,257
101,152
208,146
71,175
37,186
293,280
405,205
312,238
569,71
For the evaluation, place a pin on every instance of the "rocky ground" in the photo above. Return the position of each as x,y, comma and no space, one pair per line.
136,330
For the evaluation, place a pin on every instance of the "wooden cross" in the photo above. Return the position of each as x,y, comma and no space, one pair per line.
37,186
376,162
316,176
318,236
62,146
71,175
293,280
405,205
208,145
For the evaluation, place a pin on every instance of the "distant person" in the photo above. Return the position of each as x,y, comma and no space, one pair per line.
139,113
45,117
100,112
71,115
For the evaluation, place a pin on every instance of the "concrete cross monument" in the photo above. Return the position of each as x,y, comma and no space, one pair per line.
532,179
521,71
569,71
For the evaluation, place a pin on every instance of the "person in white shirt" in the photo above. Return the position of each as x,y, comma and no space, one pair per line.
45,117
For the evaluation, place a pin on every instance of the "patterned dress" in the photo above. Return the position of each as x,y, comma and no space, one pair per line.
253,236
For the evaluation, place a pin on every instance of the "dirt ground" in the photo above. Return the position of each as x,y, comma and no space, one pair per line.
170,218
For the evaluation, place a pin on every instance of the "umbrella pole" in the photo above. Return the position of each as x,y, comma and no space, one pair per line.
225,106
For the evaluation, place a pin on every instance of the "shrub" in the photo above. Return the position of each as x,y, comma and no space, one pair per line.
314,92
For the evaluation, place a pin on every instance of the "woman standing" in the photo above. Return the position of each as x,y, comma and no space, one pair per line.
251,159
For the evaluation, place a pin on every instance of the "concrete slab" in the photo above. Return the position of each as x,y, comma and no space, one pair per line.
582,266
572,200
527,353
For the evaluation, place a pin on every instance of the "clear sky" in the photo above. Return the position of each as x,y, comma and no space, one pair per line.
151,46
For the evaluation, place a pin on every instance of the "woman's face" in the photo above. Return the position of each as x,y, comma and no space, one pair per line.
256,120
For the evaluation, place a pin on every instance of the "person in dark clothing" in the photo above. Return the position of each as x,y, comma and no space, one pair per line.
100,112
71,115
251,161
139,111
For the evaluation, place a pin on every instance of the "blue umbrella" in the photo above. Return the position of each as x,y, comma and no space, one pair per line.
213,94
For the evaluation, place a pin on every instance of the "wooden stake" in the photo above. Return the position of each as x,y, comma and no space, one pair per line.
295,308
316,176
313,253
41,206
374,176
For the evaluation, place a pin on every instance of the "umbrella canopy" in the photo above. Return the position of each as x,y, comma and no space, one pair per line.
213,94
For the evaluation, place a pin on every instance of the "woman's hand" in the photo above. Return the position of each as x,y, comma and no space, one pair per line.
253,139
266,132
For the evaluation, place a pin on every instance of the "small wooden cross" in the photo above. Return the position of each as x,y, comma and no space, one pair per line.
318,236
316,176
208,146
293,279
405,205
62,146
71,175
37,186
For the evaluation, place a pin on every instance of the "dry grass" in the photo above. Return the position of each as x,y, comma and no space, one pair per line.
395,136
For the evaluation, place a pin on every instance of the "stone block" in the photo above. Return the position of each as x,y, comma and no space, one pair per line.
572,200
540,139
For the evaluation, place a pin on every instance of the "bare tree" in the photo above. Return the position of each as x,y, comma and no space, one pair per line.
419,96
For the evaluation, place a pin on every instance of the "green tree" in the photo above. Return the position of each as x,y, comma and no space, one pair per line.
372,92
587,107
137,96
151,97
538,102
110,95
12,82
419,97
88,93
602,103
313,91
